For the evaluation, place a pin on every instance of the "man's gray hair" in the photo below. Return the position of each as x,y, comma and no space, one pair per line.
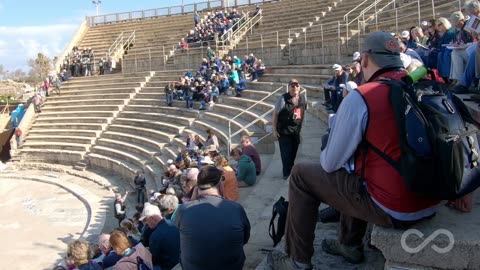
472,6
169,202
104,240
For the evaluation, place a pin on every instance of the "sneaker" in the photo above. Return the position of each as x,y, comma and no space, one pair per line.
350,254
255,80
325,103
277,260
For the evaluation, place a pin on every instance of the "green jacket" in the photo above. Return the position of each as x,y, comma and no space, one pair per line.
246,170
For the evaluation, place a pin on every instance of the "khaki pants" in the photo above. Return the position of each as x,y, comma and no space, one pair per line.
309,186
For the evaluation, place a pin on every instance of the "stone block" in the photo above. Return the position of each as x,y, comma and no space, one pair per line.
450,240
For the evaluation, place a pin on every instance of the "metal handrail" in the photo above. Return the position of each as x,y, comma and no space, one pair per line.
230,135
345,17
380,10
168,11
230,31
114,45
239,32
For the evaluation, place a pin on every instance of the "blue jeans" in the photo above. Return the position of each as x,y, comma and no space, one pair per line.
212,97
288,151
189,102
469,75
169,98
140,196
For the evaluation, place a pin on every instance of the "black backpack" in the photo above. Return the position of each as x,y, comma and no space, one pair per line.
439,140
280,208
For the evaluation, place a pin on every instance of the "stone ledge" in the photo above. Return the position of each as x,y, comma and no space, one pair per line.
465,252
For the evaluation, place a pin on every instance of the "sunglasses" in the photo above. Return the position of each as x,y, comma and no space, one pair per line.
294,85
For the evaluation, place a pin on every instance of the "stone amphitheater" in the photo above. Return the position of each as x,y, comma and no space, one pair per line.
89,141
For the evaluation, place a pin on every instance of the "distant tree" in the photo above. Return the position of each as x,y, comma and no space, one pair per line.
2,70
39,67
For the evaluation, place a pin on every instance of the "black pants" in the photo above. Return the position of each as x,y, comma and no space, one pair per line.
288,151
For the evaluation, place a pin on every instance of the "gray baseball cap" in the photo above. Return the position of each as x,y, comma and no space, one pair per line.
384,49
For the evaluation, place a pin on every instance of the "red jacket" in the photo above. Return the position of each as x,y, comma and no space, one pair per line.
384,183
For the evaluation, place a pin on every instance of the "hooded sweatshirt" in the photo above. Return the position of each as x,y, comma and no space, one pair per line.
246,170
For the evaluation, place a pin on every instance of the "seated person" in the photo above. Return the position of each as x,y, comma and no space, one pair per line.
332,88
242,85
79,256
246,174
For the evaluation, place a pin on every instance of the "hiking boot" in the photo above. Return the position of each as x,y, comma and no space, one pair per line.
350,254
277,260
459,89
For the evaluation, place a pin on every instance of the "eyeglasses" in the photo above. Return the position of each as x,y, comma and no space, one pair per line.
294,85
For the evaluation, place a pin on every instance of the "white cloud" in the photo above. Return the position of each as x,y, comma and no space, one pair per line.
19,44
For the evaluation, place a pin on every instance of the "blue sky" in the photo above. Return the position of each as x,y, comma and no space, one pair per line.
31,26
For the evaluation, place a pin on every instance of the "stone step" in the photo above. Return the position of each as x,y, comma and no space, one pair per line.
53,156
88,92
86,102
51,120
100,108
101,96
59,138
70,126
183,112
135,139
158,125
157,117
142,131
53,145
53,114
132,147
100,85
303,79
63,132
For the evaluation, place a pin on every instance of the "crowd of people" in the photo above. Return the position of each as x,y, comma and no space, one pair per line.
166,227
213,78
200,186
81,63
214,23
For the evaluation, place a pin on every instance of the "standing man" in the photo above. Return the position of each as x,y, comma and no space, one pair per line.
213,231
140,182
249,149
119,206
164,240
287,123
374,192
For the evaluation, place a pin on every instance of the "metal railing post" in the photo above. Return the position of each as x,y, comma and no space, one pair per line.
229,146
396,20
338,47
164,58
376,17
261,42
323,45
278,49
136,67
419,15
433,8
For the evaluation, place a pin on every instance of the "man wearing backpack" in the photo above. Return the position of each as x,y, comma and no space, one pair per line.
381,196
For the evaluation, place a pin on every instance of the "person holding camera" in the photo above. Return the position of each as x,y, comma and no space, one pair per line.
287,123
